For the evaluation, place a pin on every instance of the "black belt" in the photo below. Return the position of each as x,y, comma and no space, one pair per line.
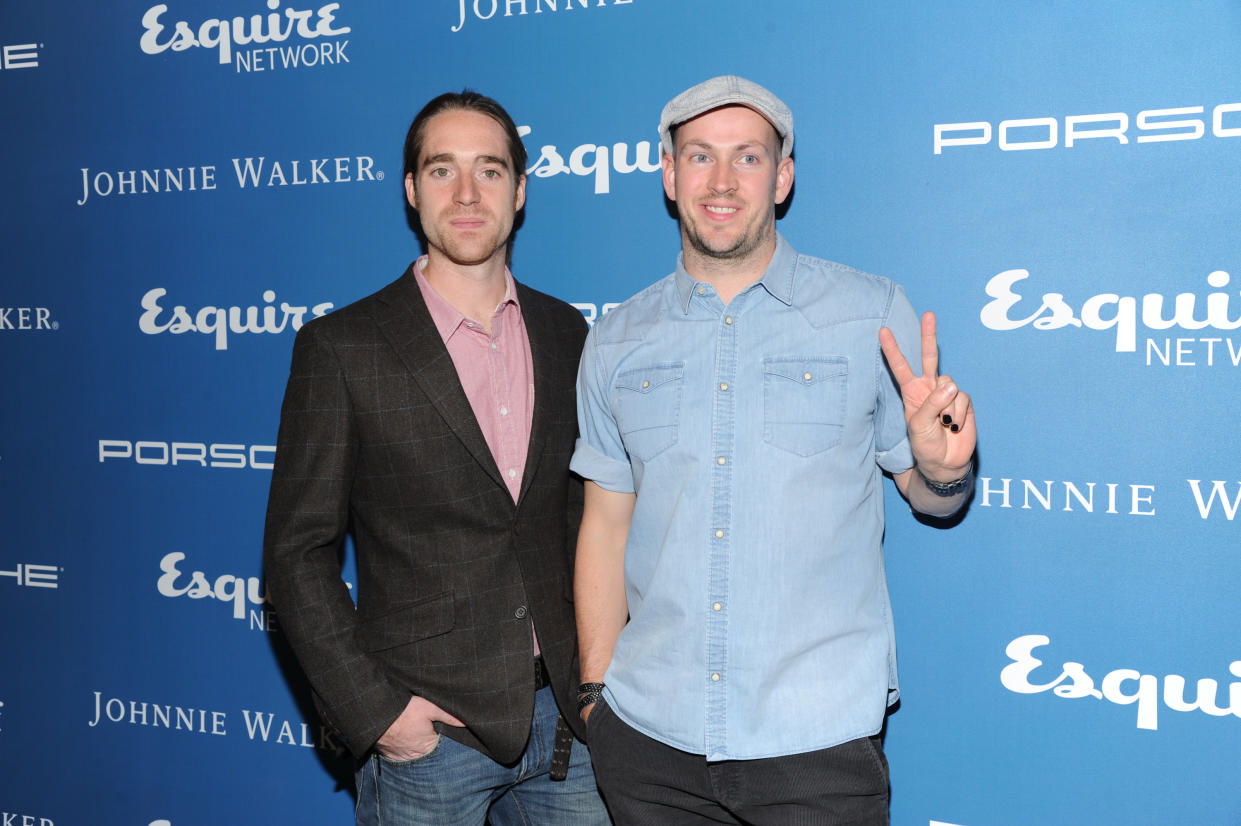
564,736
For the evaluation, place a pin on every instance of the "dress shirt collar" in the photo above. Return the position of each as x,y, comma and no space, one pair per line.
448,319
778,279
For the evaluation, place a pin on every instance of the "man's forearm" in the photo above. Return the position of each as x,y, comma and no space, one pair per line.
600,604
599,578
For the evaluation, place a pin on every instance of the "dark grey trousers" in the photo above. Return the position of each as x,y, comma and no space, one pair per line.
646,782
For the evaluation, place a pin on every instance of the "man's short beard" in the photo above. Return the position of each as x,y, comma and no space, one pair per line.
746,244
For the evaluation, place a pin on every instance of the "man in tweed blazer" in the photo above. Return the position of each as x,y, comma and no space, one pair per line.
434,420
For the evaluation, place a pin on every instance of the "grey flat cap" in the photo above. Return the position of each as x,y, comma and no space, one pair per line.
726,90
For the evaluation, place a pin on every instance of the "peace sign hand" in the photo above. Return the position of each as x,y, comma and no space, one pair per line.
938,416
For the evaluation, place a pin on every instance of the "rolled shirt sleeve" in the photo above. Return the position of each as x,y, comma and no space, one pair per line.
599,454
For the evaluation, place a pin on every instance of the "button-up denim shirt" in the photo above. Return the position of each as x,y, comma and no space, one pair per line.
755,436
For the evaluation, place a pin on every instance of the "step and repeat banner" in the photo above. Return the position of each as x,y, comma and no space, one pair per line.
187,183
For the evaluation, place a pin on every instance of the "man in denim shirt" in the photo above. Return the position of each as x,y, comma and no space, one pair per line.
737,418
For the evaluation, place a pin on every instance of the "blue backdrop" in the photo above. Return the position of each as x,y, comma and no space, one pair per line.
187,183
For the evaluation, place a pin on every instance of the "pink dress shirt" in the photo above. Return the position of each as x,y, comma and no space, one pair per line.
496,371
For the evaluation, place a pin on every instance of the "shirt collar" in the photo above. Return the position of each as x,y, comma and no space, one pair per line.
447,318
778,279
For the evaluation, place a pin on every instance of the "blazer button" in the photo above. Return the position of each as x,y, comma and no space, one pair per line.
517,528
520,613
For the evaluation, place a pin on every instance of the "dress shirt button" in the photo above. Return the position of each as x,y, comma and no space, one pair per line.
494,346
807,376
715,677
503,410
728,319
721,460
723,385
645,384
512,473
715,606
702,290
520,613
719,534
470,324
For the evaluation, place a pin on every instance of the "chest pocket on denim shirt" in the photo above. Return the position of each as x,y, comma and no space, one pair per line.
804,403
648,407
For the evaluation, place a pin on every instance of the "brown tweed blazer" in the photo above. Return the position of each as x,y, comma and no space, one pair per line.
378,440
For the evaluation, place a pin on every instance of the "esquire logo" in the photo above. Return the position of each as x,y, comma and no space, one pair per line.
300,38
1123,686
220,322
485,10
1182,123
241,593
1185,314
242,597
596,161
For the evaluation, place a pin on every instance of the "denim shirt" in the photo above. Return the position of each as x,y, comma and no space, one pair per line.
755,436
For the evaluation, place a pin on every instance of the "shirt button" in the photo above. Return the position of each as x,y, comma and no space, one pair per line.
702,290
520,613
494,346
723,385
503,410
721,461
645,384
715,606
512,473
728,319
715,678
807,376
719,534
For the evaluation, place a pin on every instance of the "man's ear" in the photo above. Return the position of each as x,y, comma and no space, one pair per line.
784,179
411,194
519,198
670,176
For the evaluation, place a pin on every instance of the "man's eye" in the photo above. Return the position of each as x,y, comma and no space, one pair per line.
749,159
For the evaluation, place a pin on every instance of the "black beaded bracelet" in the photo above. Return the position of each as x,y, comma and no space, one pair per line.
947,489
588,694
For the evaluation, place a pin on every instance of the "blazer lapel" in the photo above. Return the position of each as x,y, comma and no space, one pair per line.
402,316
538,331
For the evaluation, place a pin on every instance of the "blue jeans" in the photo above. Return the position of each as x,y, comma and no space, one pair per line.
454,784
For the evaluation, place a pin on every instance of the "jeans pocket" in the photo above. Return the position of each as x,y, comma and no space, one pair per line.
804,402
648,408
413,761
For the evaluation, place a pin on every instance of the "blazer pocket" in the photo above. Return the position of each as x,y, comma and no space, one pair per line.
412,623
